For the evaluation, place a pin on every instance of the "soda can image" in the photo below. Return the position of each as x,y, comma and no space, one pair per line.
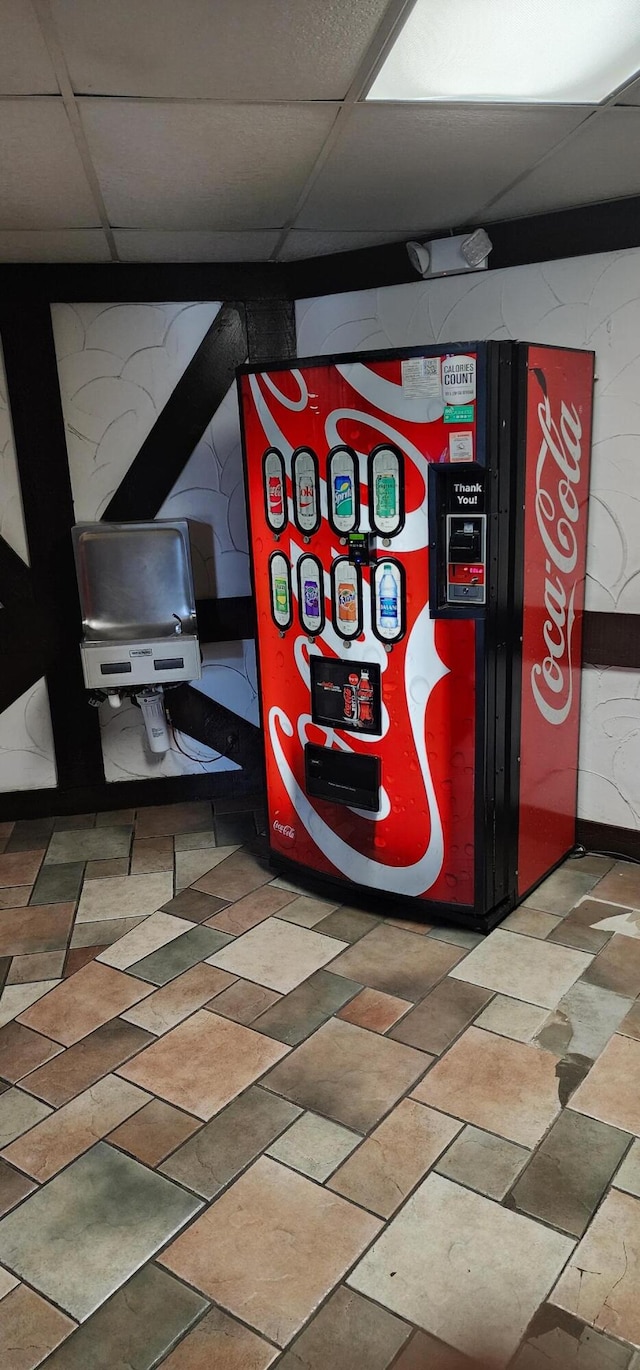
275,496
386,503
311,599
343,496
281,591
347,602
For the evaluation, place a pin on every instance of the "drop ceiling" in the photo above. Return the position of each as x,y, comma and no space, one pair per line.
239,130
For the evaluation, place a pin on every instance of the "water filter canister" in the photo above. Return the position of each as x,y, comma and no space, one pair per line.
151,703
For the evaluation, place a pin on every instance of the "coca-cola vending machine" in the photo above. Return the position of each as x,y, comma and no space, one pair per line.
418,525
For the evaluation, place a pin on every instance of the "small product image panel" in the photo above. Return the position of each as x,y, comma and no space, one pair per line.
280,586
345,695
306,490
274,489
311,594
346,598
388,615
386,490
343,490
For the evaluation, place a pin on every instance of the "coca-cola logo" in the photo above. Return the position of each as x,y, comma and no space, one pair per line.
557,510
284,829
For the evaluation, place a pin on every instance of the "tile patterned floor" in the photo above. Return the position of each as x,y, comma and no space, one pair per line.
242,1127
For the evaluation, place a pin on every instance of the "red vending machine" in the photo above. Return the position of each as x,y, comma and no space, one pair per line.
418,526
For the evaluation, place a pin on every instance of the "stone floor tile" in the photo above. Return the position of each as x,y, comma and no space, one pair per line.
348,1074
18,1113
35,928
135,1327
14,1187
22,1051
103,933
560,891
192,841
44,965
434,1024
20,868
79,1005
397,962
314,1146
373,1010
180,954
229,1143
64,1135
299,1013
620,885
398,1153
96,844
126,896
615,918
483,1162
102,870
584,1021
476,1304
628,1176
67,822
6,830
78,957
556,1340
16,998
601,1283
154,1132
191,865
534,923
164,820
590,864
512,1018
277,955
348,1332
149,935
582,928
219,1341
58,884
565,1180
424,1351
243,1001
611,1091
7,1282
246,913
500,1085
630,1025
194,906
30,1329
178,1066
281,882
119,818
458,937
81,1065
15,896
181,997
239,827
107,1214
523,967
617,966
417,926
306,911
151,854
235,874
347,924
227,1249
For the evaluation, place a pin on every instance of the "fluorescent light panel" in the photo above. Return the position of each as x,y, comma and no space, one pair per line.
531,51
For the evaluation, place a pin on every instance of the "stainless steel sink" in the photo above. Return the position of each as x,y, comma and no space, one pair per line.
135,580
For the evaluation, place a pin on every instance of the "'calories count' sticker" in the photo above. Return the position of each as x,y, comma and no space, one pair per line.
459,379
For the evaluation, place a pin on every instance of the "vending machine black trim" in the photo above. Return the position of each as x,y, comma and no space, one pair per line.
346,637
386,447
323,618
343,447
268,452
282,627
332,782
306,532
402,602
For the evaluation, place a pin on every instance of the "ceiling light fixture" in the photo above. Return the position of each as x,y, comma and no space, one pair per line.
529,51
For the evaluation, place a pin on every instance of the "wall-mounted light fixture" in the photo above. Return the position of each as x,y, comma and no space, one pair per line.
451,256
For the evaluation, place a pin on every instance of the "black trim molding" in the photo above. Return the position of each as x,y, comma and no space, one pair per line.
611,640
601,837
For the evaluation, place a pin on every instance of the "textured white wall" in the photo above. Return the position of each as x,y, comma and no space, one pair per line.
589,302
26,742
11,519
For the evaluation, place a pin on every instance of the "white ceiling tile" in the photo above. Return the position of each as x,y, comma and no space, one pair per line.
54,245
25,66
301,243
194,165
42,181
156,245
602,162
223,49
427,166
